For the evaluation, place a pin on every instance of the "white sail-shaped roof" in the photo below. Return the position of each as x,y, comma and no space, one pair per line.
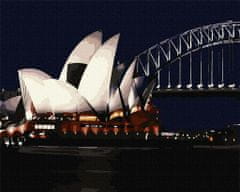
83,52
33,91
147,91
117,74
12,103
134,98
125,86
27,101
96,79
34,72
38,94
63,97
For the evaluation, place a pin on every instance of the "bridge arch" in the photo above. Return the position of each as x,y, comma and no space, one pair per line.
162,55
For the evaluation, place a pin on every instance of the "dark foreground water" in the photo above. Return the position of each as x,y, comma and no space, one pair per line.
125,169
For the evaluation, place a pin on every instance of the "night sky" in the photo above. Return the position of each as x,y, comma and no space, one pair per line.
42,35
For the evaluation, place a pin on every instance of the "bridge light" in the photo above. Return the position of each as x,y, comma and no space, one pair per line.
179,86
189,86
221,85
233,85
211,85
200,86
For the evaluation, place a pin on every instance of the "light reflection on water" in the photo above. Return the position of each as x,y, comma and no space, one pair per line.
123,170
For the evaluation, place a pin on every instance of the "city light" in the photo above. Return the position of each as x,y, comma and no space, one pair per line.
11,130
44,126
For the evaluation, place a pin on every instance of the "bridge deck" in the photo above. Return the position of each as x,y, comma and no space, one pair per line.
235,92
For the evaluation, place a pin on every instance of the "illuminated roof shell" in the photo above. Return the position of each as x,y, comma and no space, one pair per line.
96,79
125,86
83,52
63,97
33,91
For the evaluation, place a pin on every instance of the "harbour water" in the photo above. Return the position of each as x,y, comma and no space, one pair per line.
121,169
110,169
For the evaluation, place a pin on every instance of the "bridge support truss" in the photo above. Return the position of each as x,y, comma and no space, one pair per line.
201,58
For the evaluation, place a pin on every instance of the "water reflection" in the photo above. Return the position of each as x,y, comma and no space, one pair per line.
123,170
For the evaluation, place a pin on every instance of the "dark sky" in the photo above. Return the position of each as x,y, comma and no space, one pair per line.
42,34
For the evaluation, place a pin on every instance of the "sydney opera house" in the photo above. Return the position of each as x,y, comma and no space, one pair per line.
93,95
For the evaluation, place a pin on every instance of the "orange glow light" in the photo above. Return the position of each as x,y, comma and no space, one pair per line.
115,130
84,130
105,130
95,130
156,130
211,139
146,129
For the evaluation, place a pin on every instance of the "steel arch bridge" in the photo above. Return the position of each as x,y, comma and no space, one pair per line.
202,59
